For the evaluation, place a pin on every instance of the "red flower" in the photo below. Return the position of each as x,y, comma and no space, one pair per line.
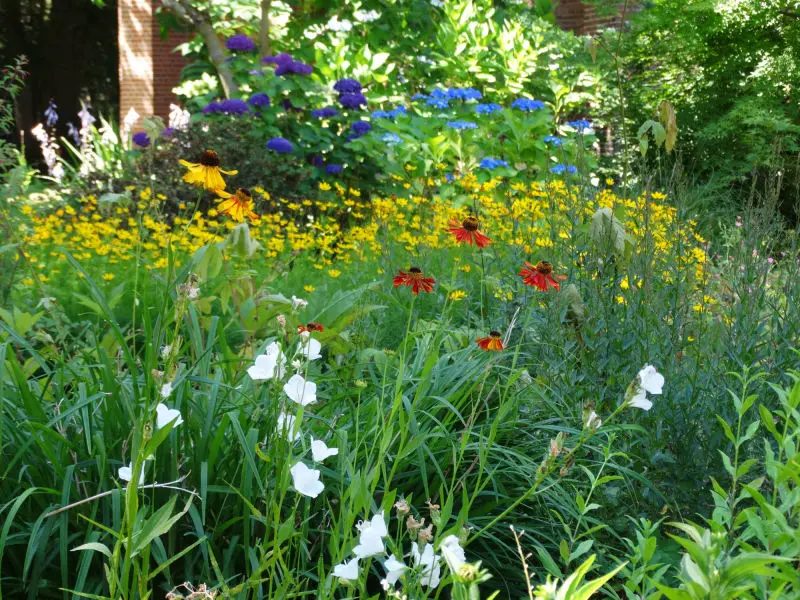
313,326
540,276
493,342
414,279
467,231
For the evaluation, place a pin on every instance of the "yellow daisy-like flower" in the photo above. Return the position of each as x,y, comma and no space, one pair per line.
206,173
457,295
238,205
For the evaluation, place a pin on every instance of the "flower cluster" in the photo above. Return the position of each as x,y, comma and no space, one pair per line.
527,105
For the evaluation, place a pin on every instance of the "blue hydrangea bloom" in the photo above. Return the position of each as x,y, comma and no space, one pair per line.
449,177
462,125
361,127
259,100
324,113
277,59
233,106
464,94
334,169
493,163
439,94
485,109
316,160
553,139
293,67
211,108
440,103
391,139
280,145
240,43
527,104
347,86
380,114
353,101
581,125
416,97
141,139
560,169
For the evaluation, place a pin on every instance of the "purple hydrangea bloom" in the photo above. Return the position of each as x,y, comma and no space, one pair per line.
259,100
554,140
347,86
255,72
485,109
560,169
168,132
278,59
293,67
234,106
240,43
324,113
141,139
280,145
211,108
461,125
493,163
353,101
527,104
315,160
334,169
581,125
288,106
361,127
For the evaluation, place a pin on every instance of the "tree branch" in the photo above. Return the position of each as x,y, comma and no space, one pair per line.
201,23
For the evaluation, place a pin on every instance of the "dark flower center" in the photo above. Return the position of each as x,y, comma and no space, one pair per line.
470,224
245,192
415,273
495,334
209,159
544,267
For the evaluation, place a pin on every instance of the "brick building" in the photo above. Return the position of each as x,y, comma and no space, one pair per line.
149,68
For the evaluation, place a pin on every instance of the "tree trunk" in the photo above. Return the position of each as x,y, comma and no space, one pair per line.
201,22
263,33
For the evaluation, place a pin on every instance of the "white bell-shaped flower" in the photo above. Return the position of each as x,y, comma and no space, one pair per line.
347,570
394,569
306,481
428,563
165,416
648,381
301,391
370,539
320,451
270,365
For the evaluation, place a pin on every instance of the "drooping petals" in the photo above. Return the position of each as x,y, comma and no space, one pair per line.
540,276
493,342
467,232
414,279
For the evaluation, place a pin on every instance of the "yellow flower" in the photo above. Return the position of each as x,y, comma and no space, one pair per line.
27,281
609,181
324,186
457,295
238,205
206,173
334,272
309,288
466,268
108,276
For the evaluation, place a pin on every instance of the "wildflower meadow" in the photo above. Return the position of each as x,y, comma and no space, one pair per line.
416,313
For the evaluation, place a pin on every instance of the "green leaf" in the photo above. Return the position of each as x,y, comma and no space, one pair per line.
94,547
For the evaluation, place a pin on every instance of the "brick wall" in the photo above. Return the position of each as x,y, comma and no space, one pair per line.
574,15
148,67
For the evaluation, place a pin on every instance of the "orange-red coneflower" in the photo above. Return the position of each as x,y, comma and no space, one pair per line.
493,342
540,276
414,279
467,231
238,205
206,173
313,326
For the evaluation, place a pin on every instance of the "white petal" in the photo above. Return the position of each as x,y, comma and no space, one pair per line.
166,389
164,416
394,569
125,473
651,380
320,451
306,481
640,401
347,570
453,553
301,391
309,347
286,427
378,525
370,544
